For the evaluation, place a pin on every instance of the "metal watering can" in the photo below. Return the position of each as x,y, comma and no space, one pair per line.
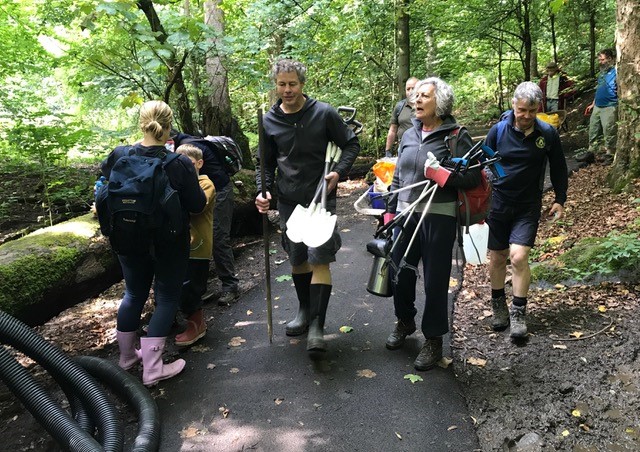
379,283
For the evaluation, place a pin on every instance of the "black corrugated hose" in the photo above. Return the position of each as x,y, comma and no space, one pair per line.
133,391
88,400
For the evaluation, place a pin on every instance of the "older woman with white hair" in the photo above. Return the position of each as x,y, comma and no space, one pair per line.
433,126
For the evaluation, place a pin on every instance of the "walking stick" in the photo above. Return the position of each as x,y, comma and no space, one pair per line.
265,230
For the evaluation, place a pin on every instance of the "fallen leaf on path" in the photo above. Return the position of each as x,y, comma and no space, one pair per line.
445,362
367,373
283,278
560,346
234,370
200,348
453,427
189,432
602,308
576,413
577,334
565,433
278,400
398,435
346,329
211,366
413,378
453,282
224,411
249,312
345,230
237,341
294,341
477,362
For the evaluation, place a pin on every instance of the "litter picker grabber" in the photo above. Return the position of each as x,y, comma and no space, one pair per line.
265,231
382,248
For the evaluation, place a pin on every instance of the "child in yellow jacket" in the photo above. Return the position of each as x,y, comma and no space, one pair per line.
201,252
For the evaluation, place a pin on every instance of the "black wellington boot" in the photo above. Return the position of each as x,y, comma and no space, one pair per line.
300,324
320,294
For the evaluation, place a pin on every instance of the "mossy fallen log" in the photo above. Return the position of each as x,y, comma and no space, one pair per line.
54,268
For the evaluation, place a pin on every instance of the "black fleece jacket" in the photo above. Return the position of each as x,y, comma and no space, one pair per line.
296,144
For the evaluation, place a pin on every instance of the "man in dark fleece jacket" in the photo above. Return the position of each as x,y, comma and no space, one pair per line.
297,130
526,144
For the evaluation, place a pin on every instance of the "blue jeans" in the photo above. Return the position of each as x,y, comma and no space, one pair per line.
169,267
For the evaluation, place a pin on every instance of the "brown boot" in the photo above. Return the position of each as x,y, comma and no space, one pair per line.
402,330
196,329
430,354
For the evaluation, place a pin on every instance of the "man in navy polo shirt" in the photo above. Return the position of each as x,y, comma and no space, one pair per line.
526,144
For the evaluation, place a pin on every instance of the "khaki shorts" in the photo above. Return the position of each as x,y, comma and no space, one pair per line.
299,253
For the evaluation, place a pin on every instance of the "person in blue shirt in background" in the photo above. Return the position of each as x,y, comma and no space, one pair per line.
525,144
603,111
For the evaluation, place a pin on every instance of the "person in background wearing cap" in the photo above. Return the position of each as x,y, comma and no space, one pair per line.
556,88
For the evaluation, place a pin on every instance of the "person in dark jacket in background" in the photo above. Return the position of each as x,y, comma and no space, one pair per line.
223,258
525,144
167,262
433,103
297,130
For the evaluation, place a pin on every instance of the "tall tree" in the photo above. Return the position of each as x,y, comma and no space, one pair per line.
627,161
403,44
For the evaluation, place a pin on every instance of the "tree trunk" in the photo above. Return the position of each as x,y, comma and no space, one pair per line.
592,43
403,44
526,38
552,18
217,117
174,78
430,59
627,160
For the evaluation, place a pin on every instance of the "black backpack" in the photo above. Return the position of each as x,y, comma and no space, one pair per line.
138,206
229,152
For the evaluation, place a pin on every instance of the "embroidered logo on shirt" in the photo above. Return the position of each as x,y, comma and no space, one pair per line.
540,143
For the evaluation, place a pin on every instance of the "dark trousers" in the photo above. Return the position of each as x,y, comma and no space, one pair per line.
433,245
194,286
168,266
222,250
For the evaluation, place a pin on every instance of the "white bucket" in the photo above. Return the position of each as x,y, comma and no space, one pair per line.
474,244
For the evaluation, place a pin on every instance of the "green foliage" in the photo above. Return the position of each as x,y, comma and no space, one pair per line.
593,257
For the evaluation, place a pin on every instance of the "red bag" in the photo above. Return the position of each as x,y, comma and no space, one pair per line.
473,203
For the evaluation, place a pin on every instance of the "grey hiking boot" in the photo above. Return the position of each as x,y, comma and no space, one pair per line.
228,298
517,315
430,354
585,157
500,320
402,330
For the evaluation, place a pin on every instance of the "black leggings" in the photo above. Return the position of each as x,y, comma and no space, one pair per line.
434,246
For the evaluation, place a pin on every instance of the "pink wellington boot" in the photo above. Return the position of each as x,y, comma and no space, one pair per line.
129,355
153,369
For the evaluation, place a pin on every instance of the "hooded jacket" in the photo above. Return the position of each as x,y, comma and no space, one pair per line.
412,156
296,145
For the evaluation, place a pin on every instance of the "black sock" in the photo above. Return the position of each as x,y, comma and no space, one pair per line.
497,293
519,301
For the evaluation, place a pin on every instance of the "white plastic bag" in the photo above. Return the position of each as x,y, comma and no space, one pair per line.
474,244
